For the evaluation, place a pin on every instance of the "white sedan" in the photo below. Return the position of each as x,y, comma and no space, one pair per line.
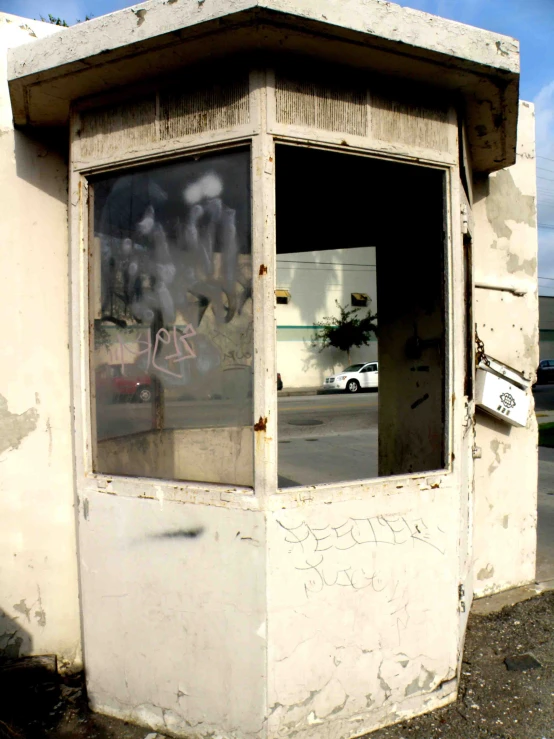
354,378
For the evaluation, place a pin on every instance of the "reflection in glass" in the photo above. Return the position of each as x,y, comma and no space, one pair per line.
356,234
171,299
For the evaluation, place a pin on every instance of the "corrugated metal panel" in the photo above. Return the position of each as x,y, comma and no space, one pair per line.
171,113
213,107
118,128
402,116
319,105
409,123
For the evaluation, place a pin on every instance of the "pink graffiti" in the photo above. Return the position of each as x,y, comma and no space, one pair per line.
152,349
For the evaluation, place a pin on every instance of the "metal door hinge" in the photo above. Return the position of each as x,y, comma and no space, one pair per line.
476,452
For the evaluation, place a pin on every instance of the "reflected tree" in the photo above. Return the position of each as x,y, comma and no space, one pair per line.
346,330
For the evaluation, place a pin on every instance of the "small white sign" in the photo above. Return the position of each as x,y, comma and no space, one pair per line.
501,398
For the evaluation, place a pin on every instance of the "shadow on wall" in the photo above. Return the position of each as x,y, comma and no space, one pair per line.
492,424
321,364
14,640
41,159
14,704
313,302
315,360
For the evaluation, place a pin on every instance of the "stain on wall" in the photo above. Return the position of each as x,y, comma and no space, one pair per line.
498,448
528,266
13,427
505,202
485,573
23,608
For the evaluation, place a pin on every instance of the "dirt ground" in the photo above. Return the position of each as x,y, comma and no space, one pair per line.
493,702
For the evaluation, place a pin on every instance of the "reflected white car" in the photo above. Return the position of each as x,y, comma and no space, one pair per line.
354,378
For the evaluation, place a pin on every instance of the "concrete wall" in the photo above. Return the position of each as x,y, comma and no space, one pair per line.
505,254
358,594
343,602
39,609
174,614
315,281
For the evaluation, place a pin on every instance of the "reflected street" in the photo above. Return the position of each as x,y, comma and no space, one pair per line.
327,438
322,438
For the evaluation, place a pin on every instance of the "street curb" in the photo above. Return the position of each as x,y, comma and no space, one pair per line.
495,603
297,392
294,392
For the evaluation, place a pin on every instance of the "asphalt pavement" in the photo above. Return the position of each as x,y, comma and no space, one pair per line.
327,438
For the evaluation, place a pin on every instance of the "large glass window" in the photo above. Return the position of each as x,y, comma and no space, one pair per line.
171,304
361,337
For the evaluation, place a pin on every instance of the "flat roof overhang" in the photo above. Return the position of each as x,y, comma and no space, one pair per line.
161,36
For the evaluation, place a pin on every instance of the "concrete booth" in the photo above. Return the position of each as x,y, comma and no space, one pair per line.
185,184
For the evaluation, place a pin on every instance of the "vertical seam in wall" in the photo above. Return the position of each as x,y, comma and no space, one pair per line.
73,354
265,722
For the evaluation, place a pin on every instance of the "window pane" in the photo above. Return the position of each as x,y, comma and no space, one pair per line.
350,227
171,299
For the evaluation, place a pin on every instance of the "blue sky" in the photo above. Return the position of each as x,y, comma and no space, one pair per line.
530,21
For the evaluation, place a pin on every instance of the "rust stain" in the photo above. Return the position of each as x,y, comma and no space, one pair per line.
263,270
261,425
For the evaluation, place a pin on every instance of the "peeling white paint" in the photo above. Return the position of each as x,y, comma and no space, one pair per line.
38,582
506,473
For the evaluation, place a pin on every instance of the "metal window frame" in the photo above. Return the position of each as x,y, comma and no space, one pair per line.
454,348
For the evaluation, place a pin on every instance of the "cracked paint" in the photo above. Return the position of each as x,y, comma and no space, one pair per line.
338,709
385,687
422,683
